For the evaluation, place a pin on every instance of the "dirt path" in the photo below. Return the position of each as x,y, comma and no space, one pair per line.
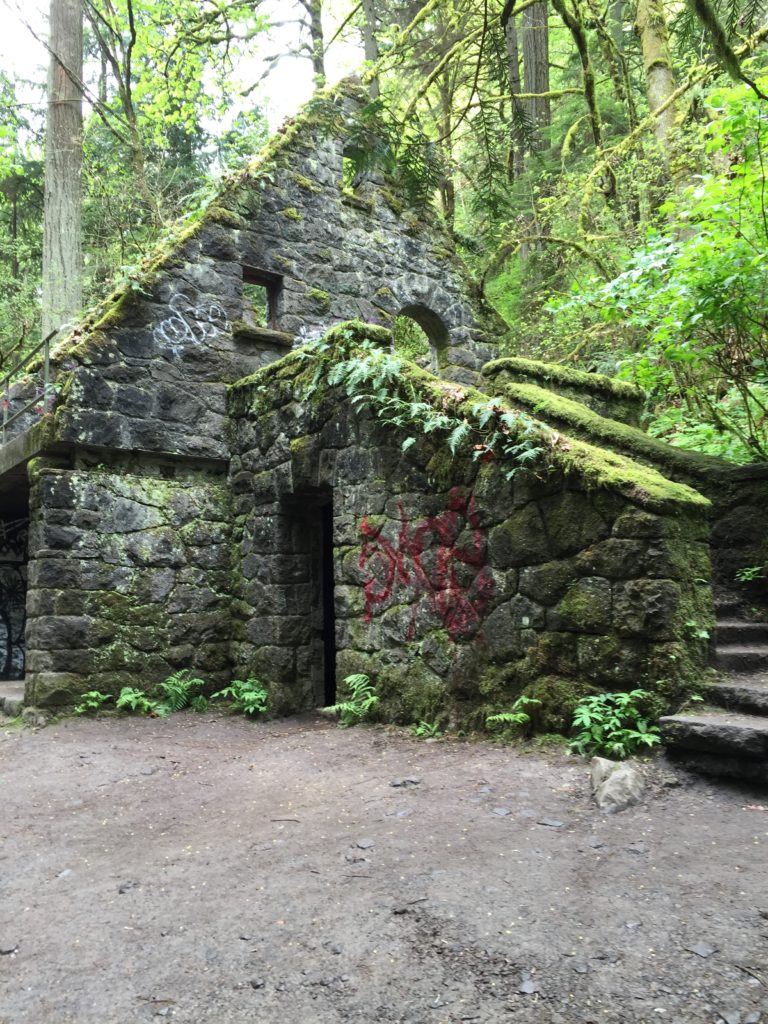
209,870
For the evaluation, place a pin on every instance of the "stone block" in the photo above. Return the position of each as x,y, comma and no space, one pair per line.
519,540
548,582
584,608
646,607
572,522
51,632
615,558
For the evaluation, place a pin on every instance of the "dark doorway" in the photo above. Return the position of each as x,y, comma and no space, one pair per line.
13,596
329,611
310,594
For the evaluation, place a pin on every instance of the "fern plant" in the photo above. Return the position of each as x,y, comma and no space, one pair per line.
374,380
90,701
179,689
359,700
248,696
131,699
517,716
425,730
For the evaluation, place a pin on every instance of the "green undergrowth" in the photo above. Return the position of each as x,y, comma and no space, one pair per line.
178,692
354,358
613,725
358,700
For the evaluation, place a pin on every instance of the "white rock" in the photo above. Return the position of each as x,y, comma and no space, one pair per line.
615,786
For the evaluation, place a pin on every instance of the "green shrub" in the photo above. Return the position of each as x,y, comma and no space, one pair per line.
424,730
179,689
613,725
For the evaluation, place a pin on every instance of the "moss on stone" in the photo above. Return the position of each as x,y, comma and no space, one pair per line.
305,183
322,298
555,373
558,696
219,214
291,213
597,467
396,205
566,412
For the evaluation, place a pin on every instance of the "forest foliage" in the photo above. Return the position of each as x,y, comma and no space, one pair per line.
600,165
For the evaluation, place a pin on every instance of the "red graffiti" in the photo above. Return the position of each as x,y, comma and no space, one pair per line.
427,560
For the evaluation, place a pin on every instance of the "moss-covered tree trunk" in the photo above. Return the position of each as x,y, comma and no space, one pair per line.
651,28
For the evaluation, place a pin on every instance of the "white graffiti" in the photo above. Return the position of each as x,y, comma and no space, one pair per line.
190,324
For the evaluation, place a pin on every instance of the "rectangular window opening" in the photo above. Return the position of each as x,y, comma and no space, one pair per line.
261,293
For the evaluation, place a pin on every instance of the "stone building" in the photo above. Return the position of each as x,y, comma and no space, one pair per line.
200,497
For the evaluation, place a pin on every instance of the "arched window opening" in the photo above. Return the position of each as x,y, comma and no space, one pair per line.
419,330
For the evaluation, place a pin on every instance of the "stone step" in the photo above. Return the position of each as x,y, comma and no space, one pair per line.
717,733
741,658
722,766
736,631
727,608
741,693
11,697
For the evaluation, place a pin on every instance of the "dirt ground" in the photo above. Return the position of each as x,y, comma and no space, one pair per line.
208,869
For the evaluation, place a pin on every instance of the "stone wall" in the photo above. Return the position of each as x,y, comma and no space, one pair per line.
13,588
129,577
454,589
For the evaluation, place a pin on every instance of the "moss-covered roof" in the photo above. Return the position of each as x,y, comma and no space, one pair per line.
598,467
554,373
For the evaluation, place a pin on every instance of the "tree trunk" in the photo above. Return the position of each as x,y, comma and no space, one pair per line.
651,27
616,23
14,197
536,70
517,148
62,244
315,10
370,41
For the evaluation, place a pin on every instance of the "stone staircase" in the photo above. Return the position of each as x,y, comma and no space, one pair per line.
728,736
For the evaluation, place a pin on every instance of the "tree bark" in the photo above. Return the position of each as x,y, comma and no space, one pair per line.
370,41
62,244
651,27
314,9
536,70
517,150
